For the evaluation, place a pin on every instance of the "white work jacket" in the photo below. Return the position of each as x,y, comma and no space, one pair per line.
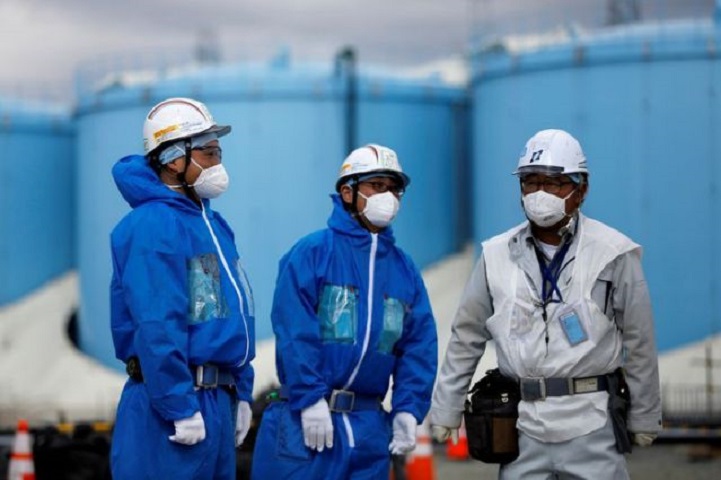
528,346
602,281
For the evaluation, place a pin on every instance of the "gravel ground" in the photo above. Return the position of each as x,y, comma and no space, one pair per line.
659,462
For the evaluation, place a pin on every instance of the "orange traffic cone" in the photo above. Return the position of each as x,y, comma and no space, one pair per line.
459,451
21,457
419,464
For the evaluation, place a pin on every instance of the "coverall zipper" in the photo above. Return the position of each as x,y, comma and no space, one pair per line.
367,336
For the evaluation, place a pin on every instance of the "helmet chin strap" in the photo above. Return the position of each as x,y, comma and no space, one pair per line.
569,226
189,192
353,184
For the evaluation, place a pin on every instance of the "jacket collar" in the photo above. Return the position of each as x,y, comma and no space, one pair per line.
523,240
343,222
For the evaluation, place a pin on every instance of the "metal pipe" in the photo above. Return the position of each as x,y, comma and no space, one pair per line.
345,65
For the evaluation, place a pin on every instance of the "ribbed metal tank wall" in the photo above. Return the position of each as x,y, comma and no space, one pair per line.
36,191
282,156
644,103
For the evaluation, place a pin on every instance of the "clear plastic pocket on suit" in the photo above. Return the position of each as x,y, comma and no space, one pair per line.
206,297
394,311
338,314
247,291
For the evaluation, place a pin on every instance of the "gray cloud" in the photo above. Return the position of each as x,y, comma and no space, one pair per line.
46,40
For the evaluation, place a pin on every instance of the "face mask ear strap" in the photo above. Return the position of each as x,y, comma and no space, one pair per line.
577,191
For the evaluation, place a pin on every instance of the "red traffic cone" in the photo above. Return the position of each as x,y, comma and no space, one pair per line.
419,464
21,457
459,451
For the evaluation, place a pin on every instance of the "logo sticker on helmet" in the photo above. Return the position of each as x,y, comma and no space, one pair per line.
161,133
387,158
536,156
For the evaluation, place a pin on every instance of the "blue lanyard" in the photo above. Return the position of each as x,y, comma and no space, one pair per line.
550,273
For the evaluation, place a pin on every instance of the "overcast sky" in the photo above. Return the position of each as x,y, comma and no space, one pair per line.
42,42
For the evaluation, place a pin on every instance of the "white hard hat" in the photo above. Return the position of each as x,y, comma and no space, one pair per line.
178,118
371,160
553,152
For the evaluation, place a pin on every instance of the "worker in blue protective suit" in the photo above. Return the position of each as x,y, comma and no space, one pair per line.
182,311
350,311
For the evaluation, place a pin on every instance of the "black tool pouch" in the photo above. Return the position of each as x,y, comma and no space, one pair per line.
490,414
132,368
619,402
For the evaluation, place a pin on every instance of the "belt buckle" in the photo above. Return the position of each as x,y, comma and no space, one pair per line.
200,380
585,385
533,389
340,394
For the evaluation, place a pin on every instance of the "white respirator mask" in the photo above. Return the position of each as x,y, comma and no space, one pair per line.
212,181
381,208
545,209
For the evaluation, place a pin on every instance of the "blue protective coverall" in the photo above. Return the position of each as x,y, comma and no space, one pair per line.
326,340
173,306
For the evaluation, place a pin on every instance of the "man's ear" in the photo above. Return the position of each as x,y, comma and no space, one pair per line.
346,193
583,191
175,166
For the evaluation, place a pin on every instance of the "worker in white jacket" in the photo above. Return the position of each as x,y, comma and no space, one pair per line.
566,302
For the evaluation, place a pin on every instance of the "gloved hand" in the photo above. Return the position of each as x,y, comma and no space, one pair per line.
644,439
317,426
441,434
242,422
189,431
404,434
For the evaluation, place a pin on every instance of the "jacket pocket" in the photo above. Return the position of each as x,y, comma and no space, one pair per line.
206,297
338,314
394,313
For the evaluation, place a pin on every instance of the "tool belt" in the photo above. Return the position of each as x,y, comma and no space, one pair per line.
619,397
204,376
491,412
344,401
538,388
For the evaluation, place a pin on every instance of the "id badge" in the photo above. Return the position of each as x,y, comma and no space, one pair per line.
573,328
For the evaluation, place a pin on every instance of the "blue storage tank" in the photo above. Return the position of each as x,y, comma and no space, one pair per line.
283,155
644,102
37,192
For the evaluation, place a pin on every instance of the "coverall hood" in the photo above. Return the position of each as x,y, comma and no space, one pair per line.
139,184
341,221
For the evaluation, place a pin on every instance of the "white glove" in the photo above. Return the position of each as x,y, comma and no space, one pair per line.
189,431
644,439
317,426
441,434
404,434
242,422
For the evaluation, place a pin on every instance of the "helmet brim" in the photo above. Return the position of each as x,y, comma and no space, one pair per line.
404,179
550,170
219,130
